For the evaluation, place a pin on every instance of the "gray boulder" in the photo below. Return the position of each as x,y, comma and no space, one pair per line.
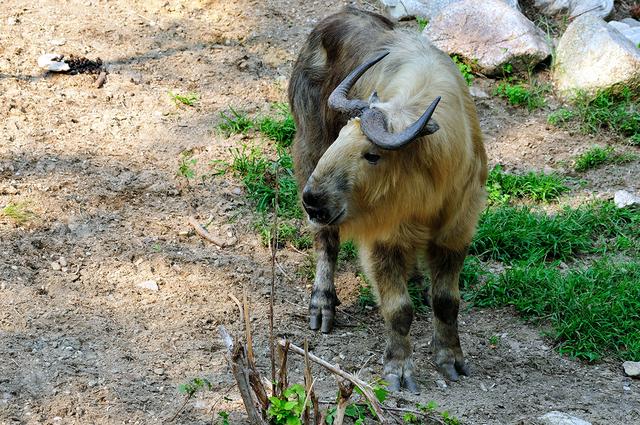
592,56
488,34
632,368
427,9
574,8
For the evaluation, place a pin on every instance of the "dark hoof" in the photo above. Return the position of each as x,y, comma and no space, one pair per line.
322,321
453,371
410,385
396,384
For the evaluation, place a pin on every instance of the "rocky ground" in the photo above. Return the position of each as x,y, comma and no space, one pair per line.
108,302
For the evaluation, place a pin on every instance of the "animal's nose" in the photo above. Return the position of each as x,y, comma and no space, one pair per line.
314,205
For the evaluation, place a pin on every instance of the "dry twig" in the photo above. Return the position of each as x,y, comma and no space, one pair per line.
202,232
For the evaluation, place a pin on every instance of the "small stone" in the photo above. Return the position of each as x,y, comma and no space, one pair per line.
560,418
622,199
237,191
483,387
148,284
441,384
478,93
158,371
62,261
55,266
631,369
58,42
11,21
53,62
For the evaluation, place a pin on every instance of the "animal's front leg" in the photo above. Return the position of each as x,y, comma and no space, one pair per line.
387,266
445,265
324,300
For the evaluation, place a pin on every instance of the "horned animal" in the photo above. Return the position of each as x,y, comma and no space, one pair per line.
389,153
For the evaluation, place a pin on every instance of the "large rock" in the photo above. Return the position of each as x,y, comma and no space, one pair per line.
560,418
573,8
489,34
592,56
427,9
632,369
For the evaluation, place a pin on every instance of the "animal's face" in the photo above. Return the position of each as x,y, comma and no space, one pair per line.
346,177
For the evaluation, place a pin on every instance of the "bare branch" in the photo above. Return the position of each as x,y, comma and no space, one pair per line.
202,232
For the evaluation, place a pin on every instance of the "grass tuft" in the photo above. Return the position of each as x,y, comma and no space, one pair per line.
597,156
281,130
189,99
530,95
538,187
235,123
17,212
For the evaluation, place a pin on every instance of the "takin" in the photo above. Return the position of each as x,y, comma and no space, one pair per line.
402,174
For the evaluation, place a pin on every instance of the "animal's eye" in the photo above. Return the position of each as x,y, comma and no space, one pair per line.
371,157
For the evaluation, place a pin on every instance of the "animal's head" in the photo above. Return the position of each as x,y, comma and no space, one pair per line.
356,170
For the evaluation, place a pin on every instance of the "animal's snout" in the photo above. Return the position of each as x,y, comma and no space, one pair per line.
315,205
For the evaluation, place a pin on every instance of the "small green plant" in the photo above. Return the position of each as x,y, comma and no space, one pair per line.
186,167
195,385
422,22
288,409
365,293
494,340
224,418
359,411
17,212
538,187
348,252
597,156
236,122
465,69
431,408
560,117
188,99
507,69
281,130
520,94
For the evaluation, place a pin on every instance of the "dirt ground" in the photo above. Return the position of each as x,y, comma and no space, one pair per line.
81,342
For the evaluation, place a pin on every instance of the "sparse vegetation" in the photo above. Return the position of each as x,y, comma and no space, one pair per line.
618,112
189,99
597,156
465,69
17,212
529,95
282,129
236,122
422,22
186,168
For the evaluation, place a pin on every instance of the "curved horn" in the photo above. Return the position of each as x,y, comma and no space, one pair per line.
374,126
338,98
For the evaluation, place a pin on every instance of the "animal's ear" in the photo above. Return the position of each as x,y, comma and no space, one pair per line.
431,127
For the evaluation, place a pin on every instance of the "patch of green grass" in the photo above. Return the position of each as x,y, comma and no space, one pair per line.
195,385
17,212
494,340
618,112
236,122
288,231
535,186
560,116
511,234
529,95
593,309
465,69
281,129
258,174
597,156
422,22
189,99
365,293
348,252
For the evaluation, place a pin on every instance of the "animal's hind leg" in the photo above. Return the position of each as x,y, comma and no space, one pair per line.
445,265
388,268
324,300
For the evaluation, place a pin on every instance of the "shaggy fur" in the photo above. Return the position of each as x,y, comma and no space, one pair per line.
414,205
